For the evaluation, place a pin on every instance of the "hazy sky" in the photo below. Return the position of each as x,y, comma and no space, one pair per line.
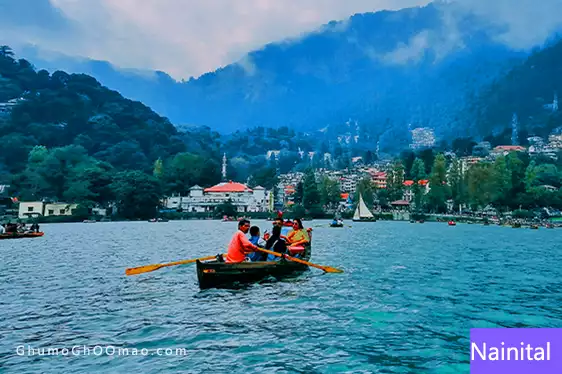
181,37
189,37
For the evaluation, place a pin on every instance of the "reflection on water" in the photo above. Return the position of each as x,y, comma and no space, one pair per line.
408,297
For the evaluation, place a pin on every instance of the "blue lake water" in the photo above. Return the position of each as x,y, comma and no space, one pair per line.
406,303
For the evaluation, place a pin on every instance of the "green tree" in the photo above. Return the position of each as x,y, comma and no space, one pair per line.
137,194
265,177
480,186
439,190
395,182
330,192
417,171
311,195
501,180
457,183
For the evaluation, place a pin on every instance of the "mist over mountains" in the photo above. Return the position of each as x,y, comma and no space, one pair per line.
387,70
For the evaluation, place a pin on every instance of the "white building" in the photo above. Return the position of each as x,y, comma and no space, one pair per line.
241,196
36,209
348,183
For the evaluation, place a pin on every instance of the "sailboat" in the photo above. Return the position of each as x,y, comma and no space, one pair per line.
362,213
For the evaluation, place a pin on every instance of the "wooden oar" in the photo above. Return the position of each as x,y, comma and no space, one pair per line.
327,269
149,268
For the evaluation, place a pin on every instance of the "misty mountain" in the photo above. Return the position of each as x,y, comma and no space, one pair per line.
526,96
385,70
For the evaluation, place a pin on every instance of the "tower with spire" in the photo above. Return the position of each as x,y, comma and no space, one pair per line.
224,167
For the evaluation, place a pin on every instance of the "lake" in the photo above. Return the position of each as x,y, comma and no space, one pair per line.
406,303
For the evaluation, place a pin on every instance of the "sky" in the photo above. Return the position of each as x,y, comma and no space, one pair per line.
190,37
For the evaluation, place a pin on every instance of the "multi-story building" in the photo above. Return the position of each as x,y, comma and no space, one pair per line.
348,183
379,179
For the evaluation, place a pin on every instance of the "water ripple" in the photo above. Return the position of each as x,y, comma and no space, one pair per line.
406,303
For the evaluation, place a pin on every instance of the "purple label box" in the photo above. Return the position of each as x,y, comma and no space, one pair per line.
516,351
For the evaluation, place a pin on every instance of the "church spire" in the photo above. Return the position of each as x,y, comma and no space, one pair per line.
224,168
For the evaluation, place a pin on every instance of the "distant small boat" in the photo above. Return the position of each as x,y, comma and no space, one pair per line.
452,223
21,235
534,227
89,221
158,220
362,213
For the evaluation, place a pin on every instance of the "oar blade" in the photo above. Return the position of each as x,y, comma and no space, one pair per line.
142,269
329,269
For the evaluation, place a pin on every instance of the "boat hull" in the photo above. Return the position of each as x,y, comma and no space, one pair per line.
222,275
337,225
365,220
21,235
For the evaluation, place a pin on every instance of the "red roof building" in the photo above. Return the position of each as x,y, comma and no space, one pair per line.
228,187
379,179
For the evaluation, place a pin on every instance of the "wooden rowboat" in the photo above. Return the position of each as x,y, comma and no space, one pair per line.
18,235
215,274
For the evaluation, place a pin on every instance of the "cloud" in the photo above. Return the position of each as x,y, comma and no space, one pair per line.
526,23
190,37
187,37
521,25
412,52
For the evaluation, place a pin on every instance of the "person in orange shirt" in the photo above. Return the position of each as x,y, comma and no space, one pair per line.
240,245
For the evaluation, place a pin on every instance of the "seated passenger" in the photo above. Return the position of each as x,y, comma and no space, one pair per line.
297,239
257,241
335,221
275,243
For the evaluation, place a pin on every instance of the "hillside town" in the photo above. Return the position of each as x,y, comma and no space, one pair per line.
246,199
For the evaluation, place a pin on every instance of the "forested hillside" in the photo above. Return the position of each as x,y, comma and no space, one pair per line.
528,91
67,137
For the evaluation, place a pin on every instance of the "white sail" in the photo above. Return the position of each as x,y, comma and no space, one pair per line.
362,211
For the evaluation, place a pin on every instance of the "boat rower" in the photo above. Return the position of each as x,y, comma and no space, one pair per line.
240,245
